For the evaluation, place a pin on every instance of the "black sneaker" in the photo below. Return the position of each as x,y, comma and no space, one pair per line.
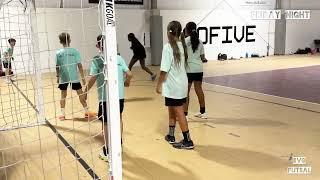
184,145
104,154
170,139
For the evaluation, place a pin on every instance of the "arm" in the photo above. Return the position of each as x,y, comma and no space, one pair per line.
91,82
162,77
166,62
82,73
129,76
203,58
202,53
57,73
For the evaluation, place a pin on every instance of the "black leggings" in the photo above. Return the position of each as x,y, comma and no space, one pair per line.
142,63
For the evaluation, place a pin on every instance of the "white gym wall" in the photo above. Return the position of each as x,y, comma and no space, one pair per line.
84,32
299,33
302,33
226,13
212,4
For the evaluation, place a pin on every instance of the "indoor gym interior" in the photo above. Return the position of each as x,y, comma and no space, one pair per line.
262,111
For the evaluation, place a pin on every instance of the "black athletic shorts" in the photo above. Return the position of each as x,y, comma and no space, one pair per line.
102,113
175,102
7,65
195,77
139,57
74,86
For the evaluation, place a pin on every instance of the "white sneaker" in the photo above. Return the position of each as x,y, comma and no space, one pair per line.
104,157
202,116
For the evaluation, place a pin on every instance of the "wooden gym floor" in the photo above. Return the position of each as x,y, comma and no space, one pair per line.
248,136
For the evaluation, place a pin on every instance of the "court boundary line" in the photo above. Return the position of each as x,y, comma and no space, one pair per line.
83,163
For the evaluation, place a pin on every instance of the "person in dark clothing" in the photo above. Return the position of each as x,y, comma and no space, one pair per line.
139,54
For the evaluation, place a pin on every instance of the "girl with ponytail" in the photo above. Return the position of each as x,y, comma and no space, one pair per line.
195,62
173,84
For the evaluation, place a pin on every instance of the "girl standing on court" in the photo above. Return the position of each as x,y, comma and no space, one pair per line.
68,67
139,54
97,75
173,83
196,58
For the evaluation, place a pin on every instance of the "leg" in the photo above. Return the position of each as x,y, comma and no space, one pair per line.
186,105
7,71
105,149
77,87
187,143
121,103
82,98
179,112
103,117
132,62
63,99
121,124
143,66
172,116
172,125
200,94
63,104
105,135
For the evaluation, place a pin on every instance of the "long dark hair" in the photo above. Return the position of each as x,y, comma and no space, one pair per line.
133,38
175,32
191,28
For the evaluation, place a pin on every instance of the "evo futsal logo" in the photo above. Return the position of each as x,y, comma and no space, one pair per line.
301,166
109,13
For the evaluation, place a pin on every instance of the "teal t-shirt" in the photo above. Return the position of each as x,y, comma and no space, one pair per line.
122,69
8,55
97,70
175,85
195,64
68,59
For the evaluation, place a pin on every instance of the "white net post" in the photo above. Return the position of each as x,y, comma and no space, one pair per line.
111,72
35,56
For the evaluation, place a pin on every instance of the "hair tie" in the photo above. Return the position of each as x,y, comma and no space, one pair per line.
193,30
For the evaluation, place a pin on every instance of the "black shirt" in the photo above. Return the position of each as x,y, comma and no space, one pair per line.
138,49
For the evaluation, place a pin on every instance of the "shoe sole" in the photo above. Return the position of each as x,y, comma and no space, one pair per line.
170,142
185,148
201,117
